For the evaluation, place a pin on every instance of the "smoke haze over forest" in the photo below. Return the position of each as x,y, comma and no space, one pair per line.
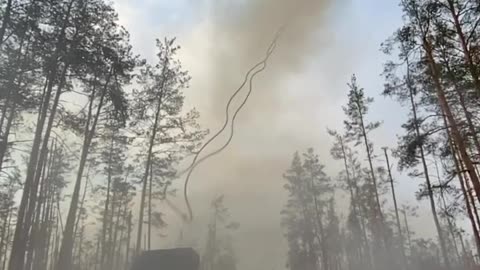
99,114
301,92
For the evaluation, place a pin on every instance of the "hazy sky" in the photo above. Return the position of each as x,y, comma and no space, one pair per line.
295,100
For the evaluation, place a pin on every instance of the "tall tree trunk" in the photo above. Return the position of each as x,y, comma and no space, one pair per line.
45,163
147,172
150,155
6,134
463,103
353,188
320,234
462,180
451,226
7,238
66,248
18,247
113,259
107,205
30,214
30,187
149,246
397,216
407,230
445,107
428,183
82,203
379,218
129,234
370,164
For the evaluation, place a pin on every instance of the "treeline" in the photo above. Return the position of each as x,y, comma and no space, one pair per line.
434,74
76,103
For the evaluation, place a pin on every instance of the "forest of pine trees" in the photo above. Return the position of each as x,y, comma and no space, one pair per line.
92,137
433,71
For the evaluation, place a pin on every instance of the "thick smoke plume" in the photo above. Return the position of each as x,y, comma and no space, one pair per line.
242,31
235,36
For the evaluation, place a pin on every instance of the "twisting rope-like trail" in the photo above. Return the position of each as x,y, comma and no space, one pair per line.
249,76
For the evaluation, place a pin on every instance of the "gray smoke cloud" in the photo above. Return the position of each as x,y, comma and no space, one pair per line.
241,32
277,120
299,94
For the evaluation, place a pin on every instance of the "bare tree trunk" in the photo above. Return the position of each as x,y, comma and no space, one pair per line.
149,246
43,213
353,188
462,180
82,203
407,229
463,105
427,176
107,204
113,260
5,109
129,234
372,171
4,137
146,174
18,247
97,261
150,155
30,214
44,163
65,256
455,132
397,216
5,236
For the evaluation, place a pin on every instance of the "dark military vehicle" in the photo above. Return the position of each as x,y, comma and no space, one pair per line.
167,259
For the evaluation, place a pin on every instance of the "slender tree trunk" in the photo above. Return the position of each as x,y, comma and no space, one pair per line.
353,188
115,236
107,204
321,237
370,164
35,236
30,214
462,180
427,175
407,230
65,256
7,238
18,247
129,234
149,246
44,214
4,137
451,226
146,174
4,111
463,104
97,260
445,107
82,203
150,155
397,216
